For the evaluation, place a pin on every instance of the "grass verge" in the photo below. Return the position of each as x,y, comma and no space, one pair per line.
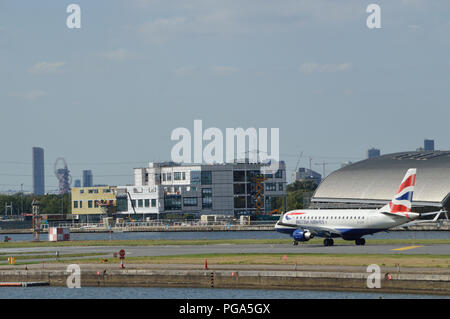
419,261
125,243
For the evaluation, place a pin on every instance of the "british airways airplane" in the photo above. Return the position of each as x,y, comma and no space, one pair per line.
351,224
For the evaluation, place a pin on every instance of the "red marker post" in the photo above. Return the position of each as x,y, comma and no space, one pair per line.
122,257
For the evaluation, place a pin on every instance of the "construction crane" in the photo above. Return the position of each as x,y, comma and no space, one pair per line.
298,162
323,166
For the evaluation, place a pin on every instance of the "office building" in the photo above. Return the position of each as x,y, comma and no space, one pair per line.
165,190
38,171
373,152
89,204
428,145
87,178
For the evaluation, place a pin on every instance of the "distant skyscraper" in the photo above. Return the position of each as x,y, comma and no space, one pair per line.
87,178
428,145
373,152
77,183
38,171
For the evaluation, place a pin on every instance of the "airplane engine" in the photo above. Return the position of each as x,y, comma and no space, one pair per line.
299,235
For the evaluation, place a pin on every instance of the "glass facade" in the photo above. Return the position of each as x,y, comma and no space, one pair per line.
206,177
190,201
172,202
206,198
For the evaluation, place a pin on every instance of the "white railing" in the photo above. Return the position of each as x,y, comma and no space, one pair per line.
162,223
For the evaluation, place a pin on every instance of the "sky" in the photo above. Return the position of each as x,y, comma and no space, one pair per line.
107,96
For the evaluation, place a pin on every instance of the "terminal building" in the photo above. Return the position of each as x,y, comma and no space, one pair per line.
372,183
167,190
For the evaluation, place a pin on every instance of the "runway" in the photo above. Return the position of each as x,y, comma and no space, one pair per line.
171,250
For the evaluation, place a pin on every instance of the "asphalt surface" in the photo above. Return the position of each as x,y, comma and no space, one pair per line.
170,250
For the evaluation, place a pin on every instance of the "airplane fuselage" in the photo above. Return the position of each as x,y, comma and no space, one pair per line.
351,223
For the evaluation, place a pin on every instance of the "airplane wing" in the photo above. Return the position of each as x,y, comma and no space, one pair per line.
435,219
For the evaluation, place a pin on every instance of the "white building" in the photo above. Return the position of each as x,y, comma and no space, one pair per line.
164,189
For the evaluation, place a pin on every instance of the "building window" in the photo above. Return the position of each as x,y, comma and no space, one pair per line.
206,178
239,202
164,178
177,176
239,189
81,191
239,176
96,203
75,204
172,202
190,201
147,203
153,202
183,176
140,203
169,177
133,202
280,186
122,204
206,198
89,204
279,174
271,187
195,177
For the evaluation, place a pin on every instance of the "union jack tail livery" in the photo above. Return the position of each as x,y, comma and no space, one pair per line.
401,203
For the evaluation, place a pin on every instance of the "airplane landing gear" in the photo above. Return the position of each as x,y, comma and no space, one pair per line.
360,241
295,243
328,242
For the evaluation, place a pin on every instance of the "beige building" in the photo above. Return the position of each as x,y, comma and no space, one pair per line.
93,201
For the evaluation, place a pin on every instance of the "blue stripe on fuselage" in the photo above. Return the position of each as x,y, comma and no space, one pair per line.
347,233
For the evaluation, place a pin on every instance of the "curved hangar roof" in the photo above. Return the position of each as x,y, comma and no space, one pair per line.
376,180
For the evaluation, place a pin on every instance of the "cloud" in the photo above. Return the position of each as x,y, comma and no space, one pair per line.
47,67
116,55
312,67
161,30
414,27
33,95
223,70
185,70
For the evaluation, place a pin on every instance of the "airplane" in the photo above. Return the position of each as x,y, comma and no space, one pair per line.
351,224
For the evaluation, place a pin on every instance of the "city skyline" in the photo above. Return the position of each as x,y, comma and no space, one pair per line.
111,178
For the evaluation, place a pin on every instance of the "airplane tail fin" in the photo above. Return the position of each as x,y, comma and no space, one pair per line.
401,203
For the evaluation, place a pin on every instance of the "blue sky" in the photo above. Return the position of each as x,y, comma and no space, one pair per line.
107,96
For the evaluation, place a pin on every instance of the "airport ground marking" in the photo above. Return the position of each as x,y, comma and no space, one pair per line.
407,248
